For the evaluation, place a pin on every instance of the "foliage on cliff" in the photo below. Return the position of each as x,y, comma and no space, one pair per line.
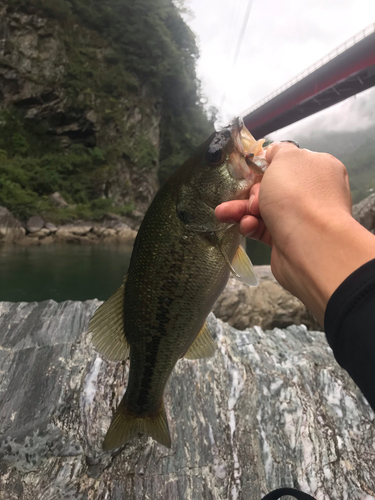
128,78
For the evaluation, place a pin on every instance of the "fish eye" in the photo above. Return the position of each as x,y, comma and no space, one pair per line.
214,155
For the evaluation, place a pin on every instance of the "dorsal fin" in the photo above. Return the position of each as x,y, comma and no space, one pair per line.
244,268
107,326
203,346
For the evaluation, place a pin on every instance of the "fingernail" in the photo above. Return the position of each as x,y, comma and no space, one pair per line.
251,199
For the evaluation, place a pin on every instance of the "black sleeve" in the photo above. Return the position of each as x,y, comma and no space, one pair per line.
350,327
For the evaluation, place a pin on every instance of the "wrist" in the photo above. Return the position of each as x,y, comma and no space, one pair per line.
319,255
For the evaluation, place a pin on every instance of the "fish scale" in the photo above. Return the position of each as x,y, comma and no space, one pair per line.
181,261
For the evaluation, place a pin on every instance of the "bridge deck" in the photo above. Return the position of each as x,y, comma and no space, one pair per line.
346,72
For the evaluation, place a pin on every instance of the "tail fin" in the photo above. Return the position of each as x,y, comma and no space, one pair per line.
125,426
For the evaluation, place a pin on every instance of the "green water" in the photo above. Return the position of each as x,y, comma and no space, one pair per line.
259,253
72,272
61,272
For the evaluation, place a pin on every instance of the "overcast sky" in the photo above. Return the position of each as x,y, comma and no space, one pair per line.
282,38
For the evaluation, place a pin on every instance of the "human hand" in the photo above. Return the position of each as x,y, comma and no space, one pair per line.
302,208
296,183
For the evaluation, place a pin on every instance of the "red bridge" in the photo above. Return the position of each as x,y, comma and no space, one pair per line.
346,71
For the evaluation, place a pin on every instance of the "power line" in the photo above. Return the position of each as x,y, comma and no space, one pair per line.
234,21
243,30
239,42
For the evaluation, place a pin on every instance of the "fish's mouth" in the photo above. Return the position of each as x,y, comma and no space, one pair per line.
248,147
246,143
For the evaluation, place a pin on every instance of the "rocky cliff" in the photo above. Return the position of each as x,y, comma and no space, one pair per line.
38,84
87,109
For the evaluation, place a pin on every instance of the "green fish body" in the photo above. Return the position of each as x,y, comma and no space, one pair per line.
181,261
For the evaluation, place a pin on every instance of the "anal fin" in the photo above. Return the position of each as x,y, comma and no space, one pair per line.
203,346
107,326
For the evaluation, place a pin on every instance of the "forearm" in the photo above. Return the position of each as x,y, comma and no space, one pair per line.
320,256
350,327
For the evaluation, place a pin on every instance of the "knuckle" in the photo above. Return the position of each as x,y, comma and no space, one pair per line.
334,163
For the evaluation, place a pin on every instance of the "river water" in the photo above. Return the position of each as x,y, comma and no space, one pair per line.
61,272
72,272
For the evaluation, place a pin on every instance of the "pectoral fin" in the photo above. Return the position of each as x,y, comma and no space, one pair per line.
203,346
241,266
244,268
107,326
215,241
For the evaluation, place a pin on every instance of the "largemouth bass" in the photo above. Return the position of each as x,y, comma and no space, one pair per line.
180,264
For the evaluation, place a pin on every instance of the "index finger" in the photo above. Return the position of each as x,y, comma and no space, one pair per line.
232,211
275,148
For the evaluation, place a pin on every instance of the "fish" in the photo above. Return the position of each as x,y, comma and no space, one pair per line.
181,261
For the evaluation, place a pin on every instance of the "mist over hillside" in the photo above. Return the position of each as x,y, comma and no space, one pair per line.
356,150
346,131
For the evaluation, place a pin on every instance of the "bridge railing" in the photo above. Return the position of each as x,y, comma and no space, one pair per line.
335,52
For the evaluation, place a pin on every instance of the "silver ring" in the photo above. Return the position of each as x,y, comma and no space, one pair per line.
292,142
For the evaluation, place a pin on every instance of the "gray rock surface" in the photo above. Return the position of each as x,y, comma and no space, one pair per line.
11,229
364,212
58,200
34,224
270,409
267,305
41,233
81,232
82,229
88,232
52,228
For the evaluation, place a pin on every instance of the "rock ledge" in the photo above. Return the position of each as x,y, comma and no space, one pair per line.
270,409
